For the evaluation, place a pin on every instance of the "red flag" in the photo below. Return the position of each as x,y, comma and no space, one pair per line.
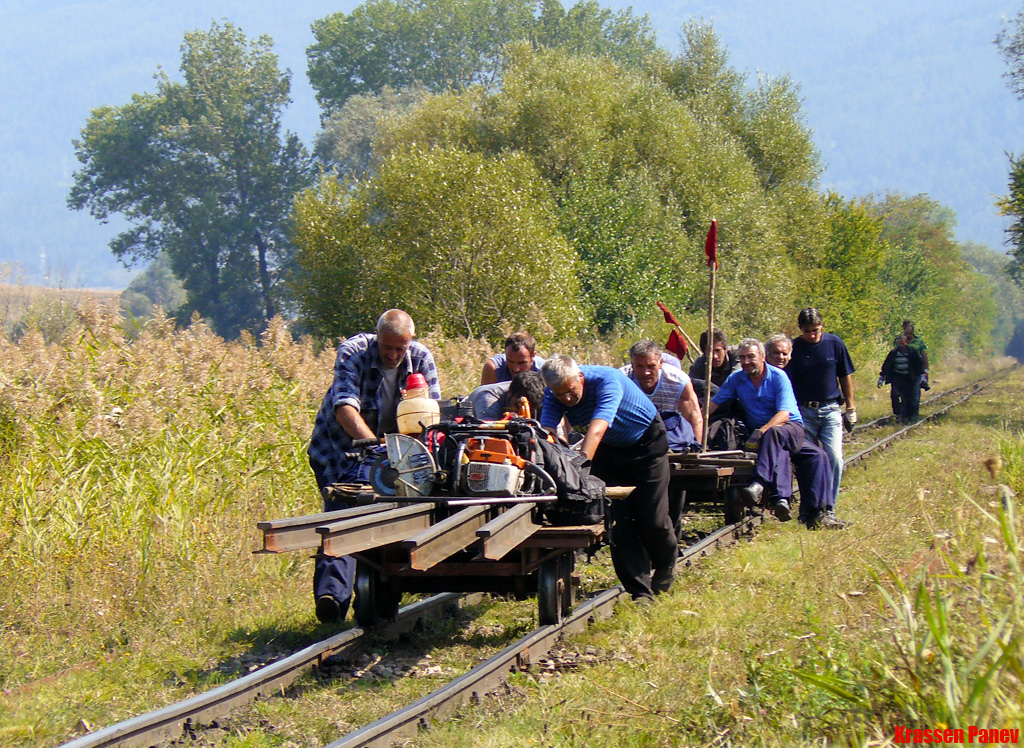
669,317
676,344
711,245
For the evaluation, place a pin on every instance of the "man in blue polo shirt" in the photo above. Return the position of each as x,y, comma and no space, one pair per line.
777,432
626,441
821,372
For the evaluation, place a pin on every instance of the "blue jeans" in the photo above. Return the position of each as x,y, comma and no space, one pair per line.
825,424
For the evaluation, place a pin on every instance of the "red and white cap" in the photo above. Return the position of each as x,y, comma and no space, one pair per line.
415,382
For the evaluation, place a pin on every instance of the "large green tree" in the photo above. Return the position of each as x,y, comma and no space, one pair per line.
451,44
635,176
202,171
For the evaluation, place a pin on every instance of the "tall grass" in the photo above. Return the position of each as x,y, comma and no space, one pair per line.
134,474
953,653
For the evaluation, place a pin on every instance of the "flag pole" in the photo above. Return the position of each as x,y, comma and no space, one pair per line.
711,250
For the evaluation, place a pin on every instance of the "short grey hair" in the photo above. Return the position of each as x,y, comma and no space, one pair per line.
644,348
559,369
396,322
778,337
751,343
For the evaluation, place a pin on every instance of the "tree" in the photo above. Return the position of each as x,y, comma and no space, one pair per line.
452,44
924,272
1010,41
459,240
155,286
1012,205
346,141
202,172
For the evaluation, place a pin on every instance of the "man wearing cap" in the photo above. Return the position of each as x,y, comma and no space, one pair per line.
370,373
520,355
626,440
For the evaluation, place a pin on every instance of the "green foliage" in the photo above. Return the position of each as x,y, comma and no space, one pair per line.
997,291
154,286
638,158
637,179
201,172
924,275
345,144
1010,41
1012,205
461,241
452,44
845,280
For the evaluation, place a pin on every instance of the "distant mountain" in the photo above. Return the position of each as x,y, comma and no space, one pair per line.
902,96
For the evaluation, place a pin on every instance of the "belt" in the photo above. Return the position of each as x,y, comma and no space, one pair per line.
817,403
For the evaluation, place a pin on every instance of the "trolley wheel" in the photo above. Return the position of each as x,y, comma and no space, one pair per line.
555,593
375,600
734,507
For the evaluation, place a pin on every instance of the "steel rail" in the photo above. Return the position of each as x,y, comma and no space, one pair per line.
169,723
488,675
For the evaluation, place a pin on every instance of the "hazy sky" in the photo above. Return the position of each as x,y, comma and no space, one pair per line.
901,96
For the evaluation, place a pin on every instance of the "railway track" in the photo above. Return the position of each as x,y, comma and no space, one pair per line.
170,722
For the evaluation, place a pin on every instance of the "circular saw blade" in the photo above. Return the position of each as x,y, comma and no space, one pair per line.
382,476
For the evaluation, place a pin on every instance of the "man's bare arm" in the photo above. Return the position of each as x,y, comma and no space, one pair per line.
352,422
689,406
846,386
595,433
489,375
778,419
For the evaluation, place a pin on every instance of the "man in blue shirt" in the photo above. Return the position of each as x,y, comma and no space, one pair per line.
776,431
362,403
821,372
625,438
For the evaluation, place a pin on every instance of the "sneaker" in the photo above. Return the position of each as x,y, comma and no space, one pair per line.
752,494
831,522
328,609
782,510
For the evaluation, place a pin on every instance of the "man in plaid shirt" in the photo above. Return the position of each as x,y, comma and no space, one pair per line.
362,402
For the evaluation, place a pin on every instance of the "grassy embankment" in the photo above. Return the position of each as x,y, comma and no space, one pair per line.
132,477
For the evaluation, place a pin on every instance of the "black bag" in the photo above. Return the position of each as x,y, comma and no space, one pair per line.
726,434
580,494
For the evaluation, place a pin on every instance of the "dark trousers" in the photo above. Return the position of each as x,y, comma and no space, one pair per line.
644,545
905,395
784,448
332,576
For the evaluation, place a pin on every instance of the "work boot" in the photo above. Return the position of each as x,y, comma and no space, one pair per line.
661,580
812,521
328,609
752,494
782,510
